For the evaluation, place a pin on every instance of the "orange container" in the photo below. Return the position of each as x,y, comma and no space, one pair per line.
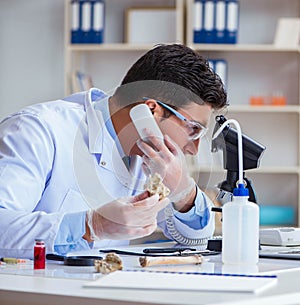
278,100
256,100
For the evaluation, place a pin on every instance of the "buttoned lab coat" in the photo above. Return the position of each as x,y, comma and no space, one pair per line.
58,160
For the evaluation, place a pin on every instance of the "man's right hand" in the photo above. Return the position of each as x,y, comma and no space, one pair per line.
125,218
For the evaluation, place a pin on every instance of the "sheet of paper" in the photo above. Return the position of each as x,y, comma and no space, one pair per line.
181,281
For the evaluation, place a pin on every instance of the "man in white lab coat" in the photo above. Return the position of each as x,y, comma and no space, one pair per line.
63,175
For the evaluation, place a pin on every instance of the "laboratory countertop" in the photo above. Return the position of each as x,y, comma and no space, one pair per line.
61,284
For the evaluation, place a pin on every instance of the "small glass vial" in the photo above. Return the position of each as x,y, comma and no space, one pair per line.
39,256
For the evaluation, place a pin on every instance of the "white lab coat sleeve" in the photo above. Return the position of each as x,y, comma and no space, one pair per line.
197,223
26,157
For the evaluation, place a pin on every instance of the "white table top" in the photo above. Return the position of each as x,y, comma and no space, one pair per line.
60,284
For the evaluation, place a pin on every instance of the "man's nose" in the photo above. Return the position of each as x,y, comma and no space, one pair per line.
192,147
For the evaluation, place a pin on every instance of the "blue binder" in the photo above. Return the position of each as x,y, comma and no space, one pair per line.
220,21
97,21
221,68
209,21
199,33
204,16
86,21
232,21
75,22
211,63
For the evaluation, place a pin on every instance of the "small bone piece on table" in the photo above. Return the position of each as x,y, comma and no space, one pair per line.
111,263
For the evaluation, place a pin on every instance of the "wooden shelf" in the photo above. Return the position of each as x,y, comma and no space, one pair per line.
117,47
242,48
264,109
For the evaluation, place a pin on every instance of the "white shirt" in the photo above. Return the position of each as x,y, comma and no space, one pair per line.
53,156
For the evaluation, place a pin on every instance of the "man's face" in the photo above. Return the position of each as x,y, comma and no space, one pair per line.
181,132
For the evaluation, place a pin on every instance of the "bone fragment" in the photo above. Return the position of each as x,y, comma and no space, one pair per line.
174,260
111,263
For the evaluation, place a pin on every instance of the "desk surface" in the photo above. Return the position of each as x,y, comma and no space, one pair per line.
59,284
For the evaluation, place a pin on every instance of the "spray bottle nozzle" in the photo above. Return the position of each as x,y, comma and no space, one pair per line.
241,190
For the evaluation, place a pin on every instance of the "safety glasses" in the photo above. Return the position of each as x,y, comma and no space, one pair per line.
195,129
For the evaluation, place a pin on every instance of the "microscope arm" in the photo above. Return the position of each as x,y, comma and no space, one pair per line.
228,143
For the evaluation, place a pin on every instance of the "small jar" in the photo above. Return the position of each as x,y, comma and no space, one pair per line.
39,256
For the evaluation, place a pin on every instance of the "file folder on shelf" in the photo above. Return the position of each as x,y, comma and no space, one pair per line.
75,22
232,21
87,24
198,21
208,21
81,81
98,21
216,21
220,68
220,21
86,21
204,21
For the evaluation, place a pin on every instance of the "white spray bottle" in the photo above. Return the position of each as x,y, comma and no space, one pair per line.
240,218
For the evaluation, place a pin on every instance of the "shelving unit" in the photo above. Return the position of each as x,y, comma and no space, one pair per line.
113,55
255,67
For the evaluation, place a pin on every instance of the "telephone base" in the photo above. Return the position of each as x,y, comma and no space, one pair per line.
282,236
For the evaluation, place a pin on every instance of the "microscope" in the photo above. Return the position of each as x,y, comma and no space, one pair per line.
227,142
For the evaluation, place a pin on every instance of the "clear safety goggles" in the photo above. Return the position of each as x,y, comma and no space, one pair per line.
195,129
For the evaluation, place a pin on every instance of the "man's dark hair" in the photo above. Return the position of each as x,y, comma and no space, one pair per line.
169,72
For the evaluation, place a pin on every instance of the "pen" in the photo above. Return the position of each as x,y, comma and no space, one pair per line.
12,260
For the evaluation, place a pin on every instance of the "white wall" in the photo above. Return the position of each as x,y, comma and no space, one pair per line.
31,52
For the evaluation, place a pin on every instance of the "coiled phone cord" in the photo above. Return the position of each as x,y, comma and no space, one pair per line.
201,243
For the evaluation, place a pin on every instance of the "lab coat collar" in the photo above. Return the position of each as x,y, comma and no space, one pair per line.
111,159
100,141
94,119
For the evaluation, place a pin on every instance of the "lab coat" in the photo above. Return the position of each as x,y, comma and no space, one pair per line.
57,159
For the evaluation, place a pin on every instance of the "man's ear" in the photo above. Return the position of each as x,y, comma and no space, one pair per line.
154,107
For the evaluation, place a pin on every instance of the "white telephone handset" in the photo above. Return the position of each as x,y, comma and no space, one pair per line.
143,118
